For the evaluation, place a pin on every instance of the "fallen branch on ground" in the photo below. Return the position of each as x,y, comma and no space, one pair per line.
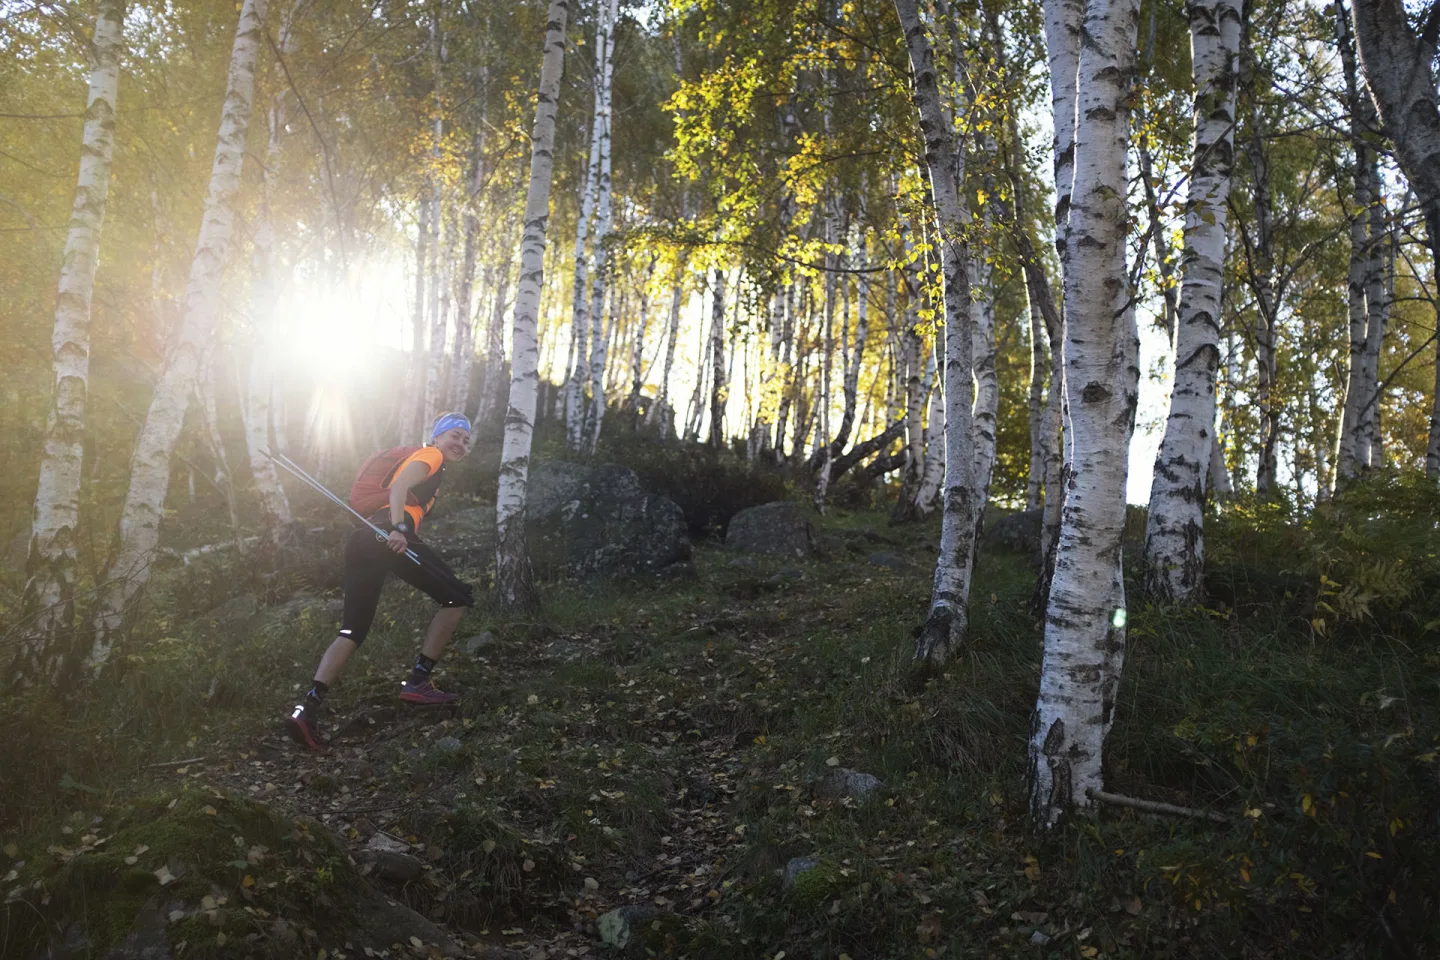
1154,806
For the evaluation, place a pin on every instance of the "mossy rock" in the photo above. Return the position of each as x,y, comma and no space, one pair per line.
212,870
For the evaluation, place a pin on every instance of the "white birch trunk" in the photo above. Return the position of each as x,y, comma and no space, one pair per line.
662,410
1085,618
987,381
464,311
580,291
948,623
256,409
932,473
150,466
514,586
1064,21
49,602
1174,532
719,392
1352,450
600,273
440,304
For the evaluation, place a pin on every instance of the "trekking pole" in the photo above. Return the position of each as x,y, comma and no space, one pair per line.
320,488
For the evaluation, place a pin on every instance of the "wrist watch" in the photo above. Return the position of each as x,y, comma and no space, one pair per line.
403,526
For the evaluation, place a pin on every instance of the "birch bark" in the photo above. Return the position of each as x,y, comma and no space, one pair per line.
600,272
946,627
1085,617
580,310
150,466
514,580
1174,532
719,391
264,298
49,601
662,409
1397,62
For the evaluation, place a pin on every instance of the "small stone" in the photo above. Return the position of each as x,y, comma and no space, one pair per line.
845,782
618,926
891,560
786,575
797,867
476,645
1039,938
449,745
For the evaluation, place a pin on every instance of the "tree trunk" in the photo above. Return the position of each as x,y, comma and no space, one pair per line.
412,407
948,622
1174,532
150,466
719,389
662,411
514,579
1085,619
1064,22
256,406
46,653
441,306
1397,64
464,293
600,272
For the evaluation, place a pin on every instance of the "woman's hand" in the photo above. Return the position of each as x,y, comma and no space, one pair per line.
397,542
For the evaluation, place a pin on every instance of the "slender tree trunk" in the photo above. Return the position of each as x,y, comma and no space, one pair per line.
637,347
1174,532
441,307
1064,22
719,389
46,652
412,409
600,272
464,293
1397,62
987,384
256,406
514,581
663,411
150,466
932,471
948,622
580,310
1085,619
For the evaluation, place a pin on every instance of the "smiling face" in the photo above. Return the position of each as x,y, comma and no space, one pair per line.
454,443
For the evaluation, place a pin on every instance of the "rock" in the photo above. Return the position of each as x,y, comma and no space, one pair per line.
385,923
892,560
618,927
449,745
1016,532
779,527
147,939
599,522
786,575
384,843
235,610
798,867
334,607
476,645
394,867
1039,938
843,782
831,547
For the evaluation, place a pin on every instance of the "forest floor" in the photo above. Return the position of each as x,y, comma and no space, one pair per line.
682,749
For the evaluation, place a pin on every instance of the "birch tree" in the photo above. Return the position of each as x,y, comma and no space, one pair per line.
580,311
514,583
603,223
265,294
49,602
1397,61
1085,617
948,622
718,380
1174,533
150,465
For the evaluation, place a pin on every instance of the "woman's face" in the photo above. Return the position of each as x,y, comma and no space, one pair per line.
454,443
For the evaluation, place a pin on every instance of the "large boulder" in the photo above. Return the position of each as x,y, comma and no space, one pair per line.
599,522
1016,532
780,527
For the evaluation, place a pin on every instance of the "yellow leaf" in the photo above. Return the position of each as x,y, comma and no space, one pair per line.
1088,951
209,810
1245,874
249,881
1306,803
1373,855
12,851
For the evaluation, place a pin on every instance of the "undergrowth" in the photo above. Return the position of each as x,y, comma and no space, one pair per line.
622,728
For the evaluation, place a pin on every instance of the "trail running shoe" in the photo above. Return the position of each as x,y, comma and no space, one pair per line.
424,692
303,727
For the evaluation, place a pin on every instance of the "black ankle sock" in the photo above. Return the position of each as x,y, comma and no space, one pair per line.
423,666
317,692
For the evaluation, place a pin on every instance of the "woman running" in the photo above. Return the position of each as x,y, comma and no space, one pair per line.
396,488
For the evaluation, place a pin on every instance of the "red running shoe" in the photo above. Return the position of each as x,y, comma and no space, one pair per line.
304,728
425,692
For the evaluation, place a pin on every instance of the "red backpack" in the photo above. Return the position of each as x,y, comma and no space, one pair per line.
368,493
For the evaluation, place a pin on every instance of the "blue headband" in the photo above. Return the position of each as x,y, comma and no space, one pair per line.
449,422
